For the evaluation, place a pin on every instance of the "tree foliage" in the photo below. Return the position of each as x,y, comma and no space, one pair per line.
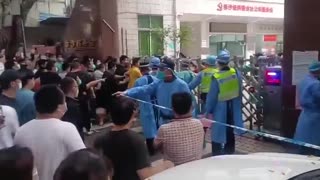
181,36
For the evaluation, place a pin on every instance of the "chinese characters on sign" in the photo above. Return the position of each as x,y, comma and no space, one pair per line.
83,44
244,8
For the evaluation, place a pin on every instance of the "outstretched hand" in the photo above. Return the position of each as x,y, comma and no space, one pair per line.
119,93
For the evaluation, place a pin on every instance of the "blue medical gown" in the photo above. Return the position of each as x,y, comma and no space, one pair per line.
192,85
219,112
308,126
188,76
196,81
146,110
163,91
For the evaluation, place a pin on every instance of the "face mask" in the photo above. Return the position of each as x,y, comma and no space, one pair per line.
16,67
20,85
153,73
161,75
79,81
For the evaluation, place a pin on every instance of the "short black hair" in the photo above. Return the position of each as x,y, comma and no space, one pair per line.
16,163
111,65
122,110
48,98
82,165
75,65
169,63
123,57
25,76
42,63
100,66
65,66
66,84
181,103
135,60
50,65
7,77
9,64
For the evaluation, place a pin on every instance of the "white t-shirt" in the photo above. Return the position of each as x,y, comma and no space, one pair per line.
50,141
11,125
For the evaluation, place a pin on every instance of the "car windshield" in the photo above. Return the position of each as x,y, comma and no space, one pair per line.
311,175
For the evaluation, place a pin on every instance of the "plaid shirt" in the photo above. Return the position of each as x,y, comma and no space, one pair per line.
182,140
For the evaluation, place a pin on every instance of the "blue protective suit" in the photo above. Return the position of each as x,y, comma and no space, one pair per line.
192,85
308,126
196,81
219,111
163,91
146,110
187,76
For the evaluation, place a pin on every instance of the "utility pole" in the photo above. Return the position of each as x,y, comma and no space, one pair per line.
174,10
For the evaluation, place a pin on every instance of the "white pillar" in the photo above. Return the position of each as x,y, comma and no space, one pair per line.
250,40
205,40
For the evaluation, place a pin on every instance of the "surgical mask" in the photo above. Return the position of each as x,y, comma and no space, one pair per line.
153,73
20,85
17,67
161,75
79,81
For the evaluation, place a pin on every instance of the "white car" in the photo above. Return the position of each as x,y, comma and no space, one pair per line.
259,166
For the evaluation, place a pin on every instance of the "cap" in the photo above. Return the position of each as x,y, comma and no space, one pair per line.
211,60
144,64
167,63
154,62
224,56
9,75
315,66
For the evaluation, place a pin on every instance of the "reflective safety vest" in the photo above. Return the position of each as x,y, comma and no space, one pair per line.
228,84
206,79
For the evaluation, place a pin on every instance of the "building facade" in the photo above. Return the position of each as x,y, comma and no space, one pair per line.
242,27
135,27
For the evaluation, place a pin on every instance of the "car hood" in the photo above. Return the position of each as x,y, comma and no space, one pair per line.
259,166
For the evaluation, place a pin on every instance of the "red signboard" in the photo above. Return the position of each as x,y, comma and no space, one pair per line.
244,8
270,38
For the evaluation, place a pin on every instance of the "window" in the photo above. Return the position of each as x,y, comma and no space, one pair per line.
150,40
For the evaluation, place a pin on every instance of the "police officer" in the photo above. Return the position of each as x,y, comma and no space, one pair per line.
224,105
204,80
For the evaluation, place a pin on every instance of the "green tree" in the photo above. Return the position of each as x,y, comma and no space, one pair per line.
181,36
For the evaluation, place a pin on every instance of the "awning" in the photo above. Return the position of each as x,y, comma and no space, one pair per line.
55,21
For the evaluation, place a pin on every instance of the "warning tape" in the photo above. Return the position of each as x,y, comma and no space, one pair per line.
266,135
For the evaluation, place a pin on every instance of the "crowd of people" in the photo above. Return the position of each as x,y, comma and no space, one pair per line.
48,105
